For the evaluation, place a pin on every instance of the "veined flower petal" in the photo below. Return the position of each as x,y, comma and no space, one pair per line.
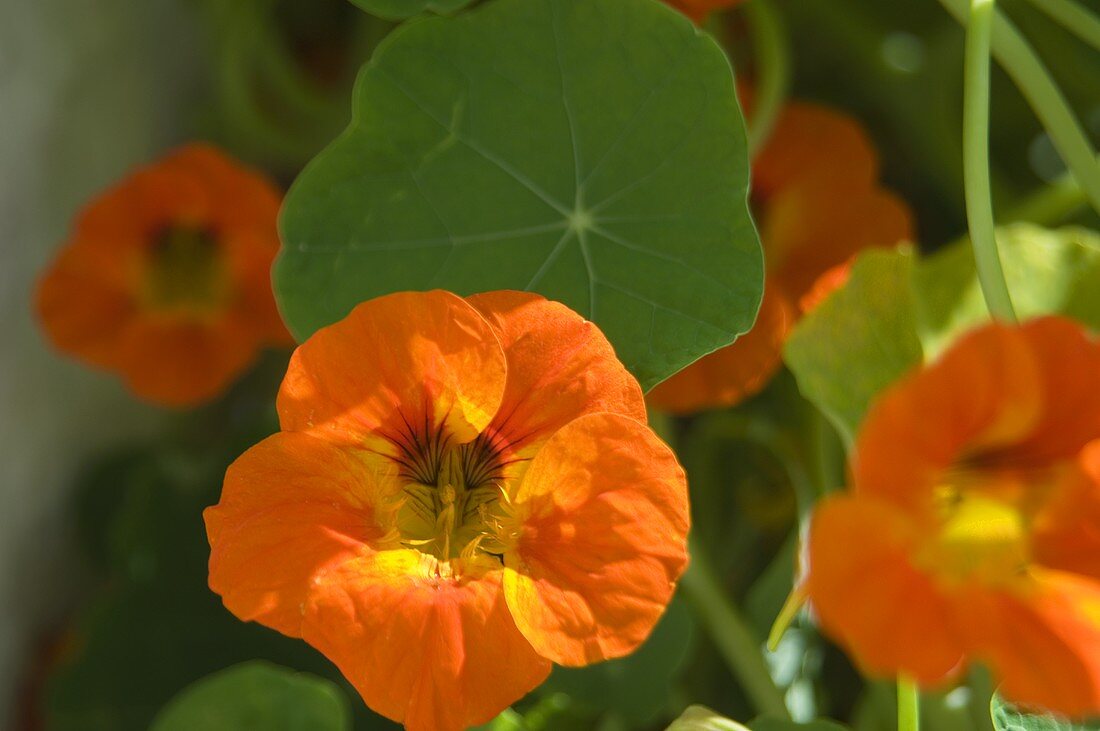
552,350
293,508
438,654
604,526
396,363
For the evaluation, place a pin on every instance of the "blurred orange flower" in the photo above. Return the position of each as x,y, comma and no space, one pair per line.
166,278
817,203
463,491
972,531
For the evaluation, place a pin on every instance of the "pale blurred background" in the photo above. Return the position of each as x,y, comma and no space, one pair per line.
87,88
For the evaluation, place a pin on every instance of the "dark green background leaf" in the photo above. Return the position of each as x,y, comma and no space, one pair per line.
635,687
589,150
257,695
401,9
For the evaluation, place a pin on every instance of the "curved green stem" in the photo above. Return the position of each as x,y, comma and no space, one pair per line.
1034,82
1076,19
908,706
731,635
979,201
773,70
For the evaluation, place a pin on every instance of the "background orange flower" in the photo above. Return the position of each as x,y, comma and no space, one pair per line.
166,278
817,203
969,533
446,521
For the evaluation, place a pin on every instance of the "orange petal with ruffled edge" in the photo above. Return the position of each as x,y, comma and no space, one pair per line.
1068,363
1043,644
293,507
438,654
1066,532
560,367
397,365
604,514
870,597
735,372
981,395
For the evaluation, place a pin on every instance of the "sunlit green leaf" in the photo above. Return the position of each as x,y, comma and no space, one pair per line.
701,718
859,340
1008,718
257,695
1047,272
589,150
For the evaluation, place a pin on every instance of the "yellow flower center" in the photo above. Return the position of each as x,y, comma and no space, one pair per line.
186,271
981,537
453,503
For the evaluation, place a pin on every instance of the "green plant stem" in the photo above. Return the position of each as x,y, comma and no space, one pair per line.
773,70
979,200
732,636
1031,77
908,706
1076,19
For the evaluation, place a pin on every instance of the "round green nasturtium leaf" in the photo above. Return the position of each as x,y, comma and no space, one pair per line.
257,695
1006,717
589,150
401,9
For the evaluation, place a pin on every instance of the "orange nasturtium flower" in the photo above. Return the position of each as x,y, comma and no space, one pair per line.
166,278
463,491
972,530
817,203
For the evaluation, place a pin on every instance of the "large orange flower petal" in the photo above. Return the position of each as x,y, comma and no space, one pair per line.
868,594
438,654
1068,362
293,507
604,526
403,362
735,372
560,367
1044,644
982,394
1066,533
178,362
